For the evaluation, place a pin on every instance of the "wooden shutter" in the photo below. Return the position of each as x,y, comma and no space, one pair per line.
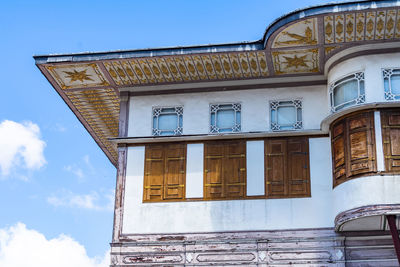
276,168
360,143
174,175
390,120
224,169
338,152
234,169
214,154
298,167
164,172
153,173
353,146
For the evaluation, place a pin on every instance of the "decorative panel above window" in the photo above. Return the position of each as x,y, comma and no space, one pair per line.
353,146
348,91
286,115
225,118
391,81
167,121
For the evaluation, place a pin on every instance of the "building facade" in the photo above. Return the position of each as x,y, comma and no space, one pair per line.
284,151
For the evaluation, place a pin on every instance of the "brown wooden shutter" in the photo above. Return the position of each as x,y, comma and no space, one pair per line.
174,175
338,152
234,170
225,169
298,167
390,120
353,146
214,154
153,173
360,143
164,172
276,168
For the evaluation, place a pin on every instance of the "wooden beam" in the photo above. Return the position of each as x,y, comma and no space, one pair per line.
395,234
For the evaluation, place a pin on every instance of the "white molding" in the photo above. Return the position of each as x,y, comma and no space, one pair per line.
378,142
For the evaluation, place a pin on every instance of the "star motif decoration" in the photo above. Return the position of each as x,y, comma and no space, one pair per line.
296,61
78,76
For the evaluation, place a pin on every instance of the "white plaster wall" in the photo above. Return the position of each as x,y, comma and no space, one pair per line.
380,157
194,170
255,108
372,65
369,190
255,168
236,215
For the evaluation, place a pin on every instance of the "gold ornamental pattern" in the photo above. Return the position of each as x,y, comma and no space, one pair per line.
362,26
80,75
100,109
188,68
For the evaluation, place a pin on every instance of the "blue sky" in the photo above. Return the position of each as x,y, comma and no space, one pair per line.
65,186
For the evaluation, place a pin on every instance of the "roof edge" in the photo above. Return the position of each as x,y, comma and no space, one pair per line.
148,52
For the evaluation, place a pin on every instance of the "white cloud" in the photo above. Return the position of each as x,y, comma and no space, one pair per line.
59,128
75,170
92,201
21,247
20,146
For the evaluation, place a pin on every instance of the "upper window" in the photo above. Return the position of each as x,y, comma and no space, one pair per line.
391,81
347,91
286,115
225,118
167,121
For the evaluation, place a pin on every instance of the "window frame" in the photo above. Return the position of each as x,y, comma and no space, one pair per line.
387,73
215,107
274,106
360,99
157,111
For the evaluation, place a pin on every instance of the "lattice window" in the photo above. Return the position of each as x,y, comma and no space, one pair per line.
286,115
167,121
347,91
391,82
225,118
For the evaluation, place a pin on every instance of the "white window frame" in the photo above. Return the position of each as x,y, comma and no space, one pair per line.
158,111
387,74
275,104
236,107
359,76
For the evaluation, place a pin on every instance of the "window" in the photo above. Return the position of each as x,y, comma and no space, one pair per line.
167,121
353,149
224,169
347,91
225,118
391,82
287,172
390,120
164,172
286,115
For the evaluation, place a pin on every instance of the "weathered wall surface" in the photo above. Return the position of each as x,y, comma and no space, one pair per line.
320,247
